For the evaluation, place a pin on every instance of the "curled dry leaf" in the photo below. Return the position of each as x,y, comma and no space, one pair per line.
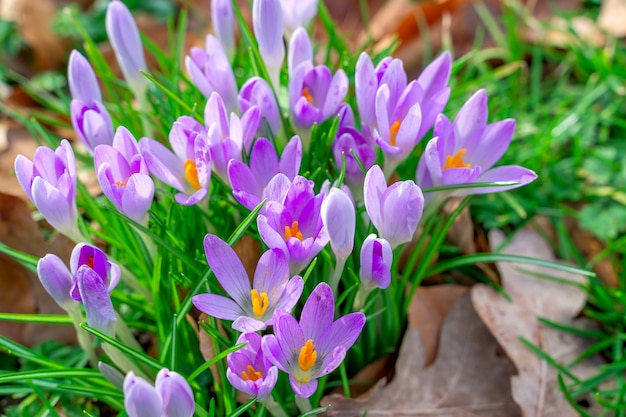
535,388
469,377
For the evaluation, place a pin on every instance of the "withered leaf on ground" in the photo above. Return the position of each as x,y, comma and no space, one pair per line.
469,377
535,388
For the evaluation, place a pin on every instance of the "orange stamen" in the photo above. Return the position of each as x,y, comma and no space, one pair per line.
191,174
456,161
260,302
307,356
393,131
307,95
251,375
293,231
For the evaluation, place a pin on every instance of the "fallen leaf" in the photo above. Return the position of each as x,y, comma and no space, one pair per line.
535,388
469,377
612,17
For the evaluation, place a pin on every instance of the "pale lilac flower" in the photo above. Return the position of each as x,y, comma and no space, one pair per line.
82,80
250,183
249,370
211,71
223,22
298,13
339,218
465,151
56,279
123,176
49,181
227,139
124,37
172,396
92,123
349,139
396,210
267,20
255,307
294,225
315,94
188,168
300,50
257,92
316,345
376,260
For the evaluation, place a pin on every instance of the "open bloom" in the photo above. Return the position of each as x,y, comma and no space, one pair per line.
316,345
249,370
188,168
211,71
170,397
257,92
396,210
49,181
123,175
124,37
294,225
250,308
227,139
376,260
250,183
465,151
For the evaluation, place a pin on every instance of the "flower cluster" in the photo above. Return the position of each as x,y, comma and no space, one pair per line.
247,150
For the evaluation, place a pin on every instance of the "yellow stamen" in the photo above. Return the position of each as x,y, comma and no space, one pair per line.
122,184
307,95
456,161
307,356
251,375
260,302
293,231
191,174
393,131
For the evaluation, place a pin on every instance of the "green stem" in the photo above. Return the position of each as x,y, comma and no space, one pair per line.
361,297
84,339
304,405
273,407
336,276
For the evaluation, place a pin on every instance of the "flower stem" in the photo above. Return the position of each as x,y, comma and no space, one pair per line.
303,404
84,340
273,407
361,297
333,282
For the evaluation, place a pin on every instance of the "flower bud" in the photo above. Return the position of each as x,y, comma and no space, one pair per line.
376,260
176,394
56,279
223,21
267,20
339,218
140,398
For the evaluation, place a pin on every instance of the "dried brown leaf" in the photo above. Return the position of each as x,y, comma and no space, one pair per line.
535,388
468,378
612,17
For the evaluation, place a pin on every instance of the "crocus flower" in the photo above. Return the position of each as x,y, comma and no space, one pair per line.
465,151
123,176
349,139
223,22
49,181
298,13
249,370
316,345
255,307
188,168
396,210
251,183
56,279
92,123
315,94
267,20
339,218
257,92
227,139
376,260
211,71
300,50
294,225
124,37
82,80
172,396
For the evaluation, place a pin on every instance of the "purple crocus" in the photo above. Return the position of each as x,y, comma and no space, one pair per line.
89,117
49,181
227,139
339,218
376,260
315,94
350,140
223,22
294,225
251,308
267,20
188,168
396,210
172,396
316,345
300,50
257,92
56,279
124,177
298,13
249,370
465,151
211,71
124,37
250,183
